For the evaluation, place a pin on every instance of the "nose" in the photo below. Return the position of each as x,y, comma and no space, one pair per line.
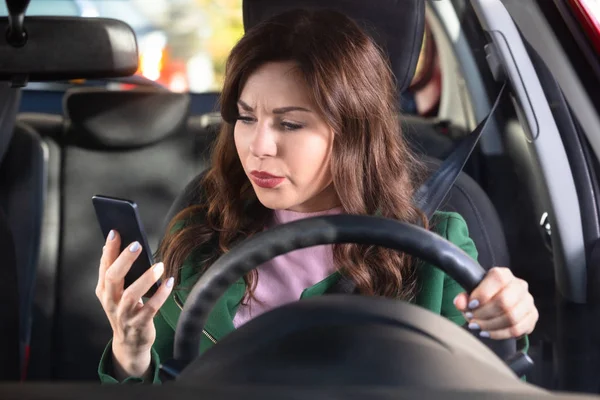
263,143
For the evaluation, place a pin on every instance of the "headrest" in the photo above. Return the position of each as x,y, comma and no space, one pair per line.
396,25
105,119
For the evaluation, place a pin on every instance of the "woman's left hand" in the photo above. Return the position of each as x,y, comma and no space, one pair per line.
501,306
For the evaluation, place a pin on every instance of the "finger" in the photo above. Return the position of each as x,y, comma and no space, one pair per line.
503,302
507,319
496,279
110,252
151,307
461,302
115,275
524,327
132,296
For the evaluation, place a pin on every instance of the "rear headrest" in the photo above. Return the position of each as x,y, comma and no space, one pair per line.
396,25
104,119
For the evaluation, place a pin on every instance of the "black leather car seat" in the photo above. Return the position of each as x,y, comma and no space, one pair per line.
129,144
22,185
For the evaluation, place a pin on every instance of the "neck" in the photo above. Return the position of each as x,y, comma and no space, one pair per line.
327,199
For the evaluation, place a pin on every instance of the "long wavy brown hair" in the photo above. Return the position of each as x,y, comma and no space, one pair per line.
353,88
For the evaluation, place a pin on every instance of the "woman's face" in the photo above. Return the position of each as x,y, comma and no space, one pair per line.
283,143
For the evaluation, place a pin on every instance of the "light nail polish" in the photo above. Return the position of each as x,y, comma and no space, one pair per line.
474,326
170,282
473,304
134,247
484,334
111,235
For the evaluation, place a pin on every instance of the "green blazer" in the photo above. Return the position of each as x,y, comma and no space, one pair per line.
436,293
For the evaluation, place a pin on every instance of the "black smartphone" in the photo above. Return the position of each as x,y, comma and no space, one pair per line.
123,216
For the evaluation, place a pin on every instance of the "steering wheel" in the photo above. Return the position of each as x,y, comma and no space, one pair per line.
305,341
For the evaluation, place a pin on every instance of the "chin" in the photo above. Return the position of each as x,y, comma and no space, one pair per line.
273,199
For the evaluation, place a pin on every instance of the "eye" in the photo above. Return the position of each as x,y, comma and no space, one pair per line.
290,126
245,119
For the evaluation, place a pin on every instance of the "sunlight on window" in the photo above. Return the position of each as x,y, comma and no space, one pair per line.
183,44
198,36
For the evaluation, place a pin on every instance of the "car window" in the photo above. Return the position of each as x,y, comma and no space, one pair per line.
183,44
47,7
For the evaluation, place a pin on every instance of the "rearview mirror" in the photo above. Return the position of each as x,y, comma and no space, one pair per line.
62,48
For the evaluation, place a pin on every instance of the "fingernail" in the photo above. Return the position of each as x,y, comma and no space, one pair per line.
469,315
474,326
159,268
473,304
111,235
134,247
103,248
484,334
170,282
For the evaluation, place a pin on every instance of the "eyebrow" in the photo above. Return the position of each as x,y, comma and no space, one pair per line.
281,110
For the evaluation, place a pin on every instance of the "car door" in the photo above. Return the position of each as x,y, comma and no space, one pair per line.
548,134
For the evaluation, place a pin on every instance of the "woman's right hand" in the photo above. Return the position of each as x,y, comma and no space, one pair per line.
130,318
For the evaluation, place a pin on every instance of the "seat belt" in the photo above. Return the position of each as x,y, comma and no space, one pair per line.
428,198
10,354
430,195
434,190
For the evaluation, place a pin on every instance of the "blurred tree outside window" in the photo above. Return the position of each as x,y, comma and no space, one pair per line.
194,38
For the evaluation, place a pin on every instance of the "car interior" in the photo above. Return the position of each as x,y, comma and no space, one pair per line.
528,192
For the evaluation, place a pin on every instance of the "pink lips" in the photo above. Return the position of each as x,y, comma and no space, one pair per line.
266,180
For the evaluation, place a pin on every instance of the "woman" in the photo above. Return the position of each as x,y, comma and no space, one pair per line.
310,128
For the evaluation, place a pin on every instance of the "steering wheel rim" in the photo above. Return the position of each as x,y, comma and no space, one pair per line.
282,239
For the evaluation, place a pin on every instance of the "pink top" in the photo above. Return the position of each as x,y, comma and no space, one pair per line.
283,279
